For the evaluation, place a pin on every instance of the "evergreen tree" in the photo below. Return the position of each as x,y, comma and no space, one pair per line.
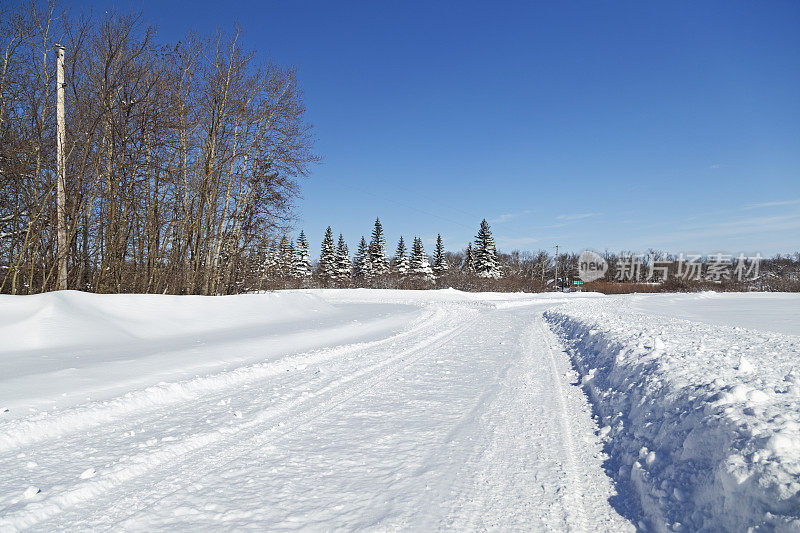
469,260
439,261
418,264
343,265
289,261
485,255
267,268
283,260
377,251
363,267
326,269
302,263
400,258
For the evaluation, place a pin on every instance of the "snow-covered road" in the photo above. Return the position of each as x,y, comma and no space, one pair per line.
378,410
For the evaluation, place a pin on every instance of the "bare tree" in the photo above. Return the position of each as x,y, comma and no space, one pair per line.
180,159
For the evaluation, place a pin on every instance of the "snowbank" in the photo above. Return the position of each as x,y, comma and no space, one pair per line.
702,421
71,319
62,348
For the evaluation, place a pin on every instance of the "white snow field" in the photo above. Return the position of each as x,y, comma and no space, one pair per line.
698,396
410,410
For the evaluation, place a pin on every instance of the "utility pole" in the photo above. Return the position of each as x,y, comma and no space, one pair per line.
61,134
556,278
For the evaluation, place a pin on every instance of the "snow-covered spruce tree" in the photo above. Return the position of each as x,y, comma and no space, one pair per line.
377,252
290,261
418,267
400,258
486,264
301,269
439,261
344,267
283,263
362,268
469,260
326,269
264,268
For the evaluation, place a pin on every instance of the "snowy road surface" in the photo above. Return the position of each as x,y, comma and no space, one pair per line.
325,410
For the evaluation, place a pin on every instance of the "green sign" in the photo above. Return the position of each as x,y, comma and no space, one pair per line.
577,283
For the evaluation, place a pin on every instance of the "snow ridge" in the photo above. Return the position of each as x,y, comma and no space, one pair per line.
17,433
702,421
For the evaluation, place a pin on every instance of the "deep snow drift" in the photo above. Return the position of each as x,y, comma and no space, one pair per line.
702,416
60,348
422,410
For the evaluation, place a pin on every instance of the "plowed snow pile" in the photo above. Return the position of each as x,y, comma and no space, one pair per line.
701,416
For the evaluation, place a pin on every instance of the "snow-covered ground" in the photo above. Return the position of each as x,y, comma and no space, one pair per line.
318,409
698,396
420,410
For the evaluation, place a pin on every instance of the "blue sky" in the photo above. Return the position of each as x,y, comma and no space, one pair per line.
602,125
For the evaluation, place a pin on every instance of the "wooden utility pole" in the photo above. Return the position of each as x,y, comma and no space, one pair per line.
61,134
556,278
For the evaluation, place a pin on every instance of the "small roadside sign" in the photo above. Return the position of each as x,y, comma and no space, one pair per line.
577,282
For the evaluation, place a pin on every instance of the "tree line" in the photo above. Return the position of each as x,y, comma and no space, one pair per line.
481,267
286,264
182,159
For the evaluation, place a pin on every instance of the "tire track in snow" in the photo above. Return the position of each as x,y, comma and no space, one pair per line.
198,445
19,433
522,472
436,514
574,481
279,430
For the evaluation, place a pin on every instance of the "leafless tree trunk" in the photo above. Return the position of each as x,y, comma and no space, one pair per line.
180,159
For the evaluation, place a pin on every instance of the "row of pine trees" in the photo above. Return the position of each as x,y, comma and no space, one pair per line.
288,260
284,263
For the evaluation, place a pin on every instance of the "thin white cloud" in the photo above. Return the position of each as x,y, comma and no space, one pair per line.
502,218
576,216
745,226
567,220
759,223
773,204
508,216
